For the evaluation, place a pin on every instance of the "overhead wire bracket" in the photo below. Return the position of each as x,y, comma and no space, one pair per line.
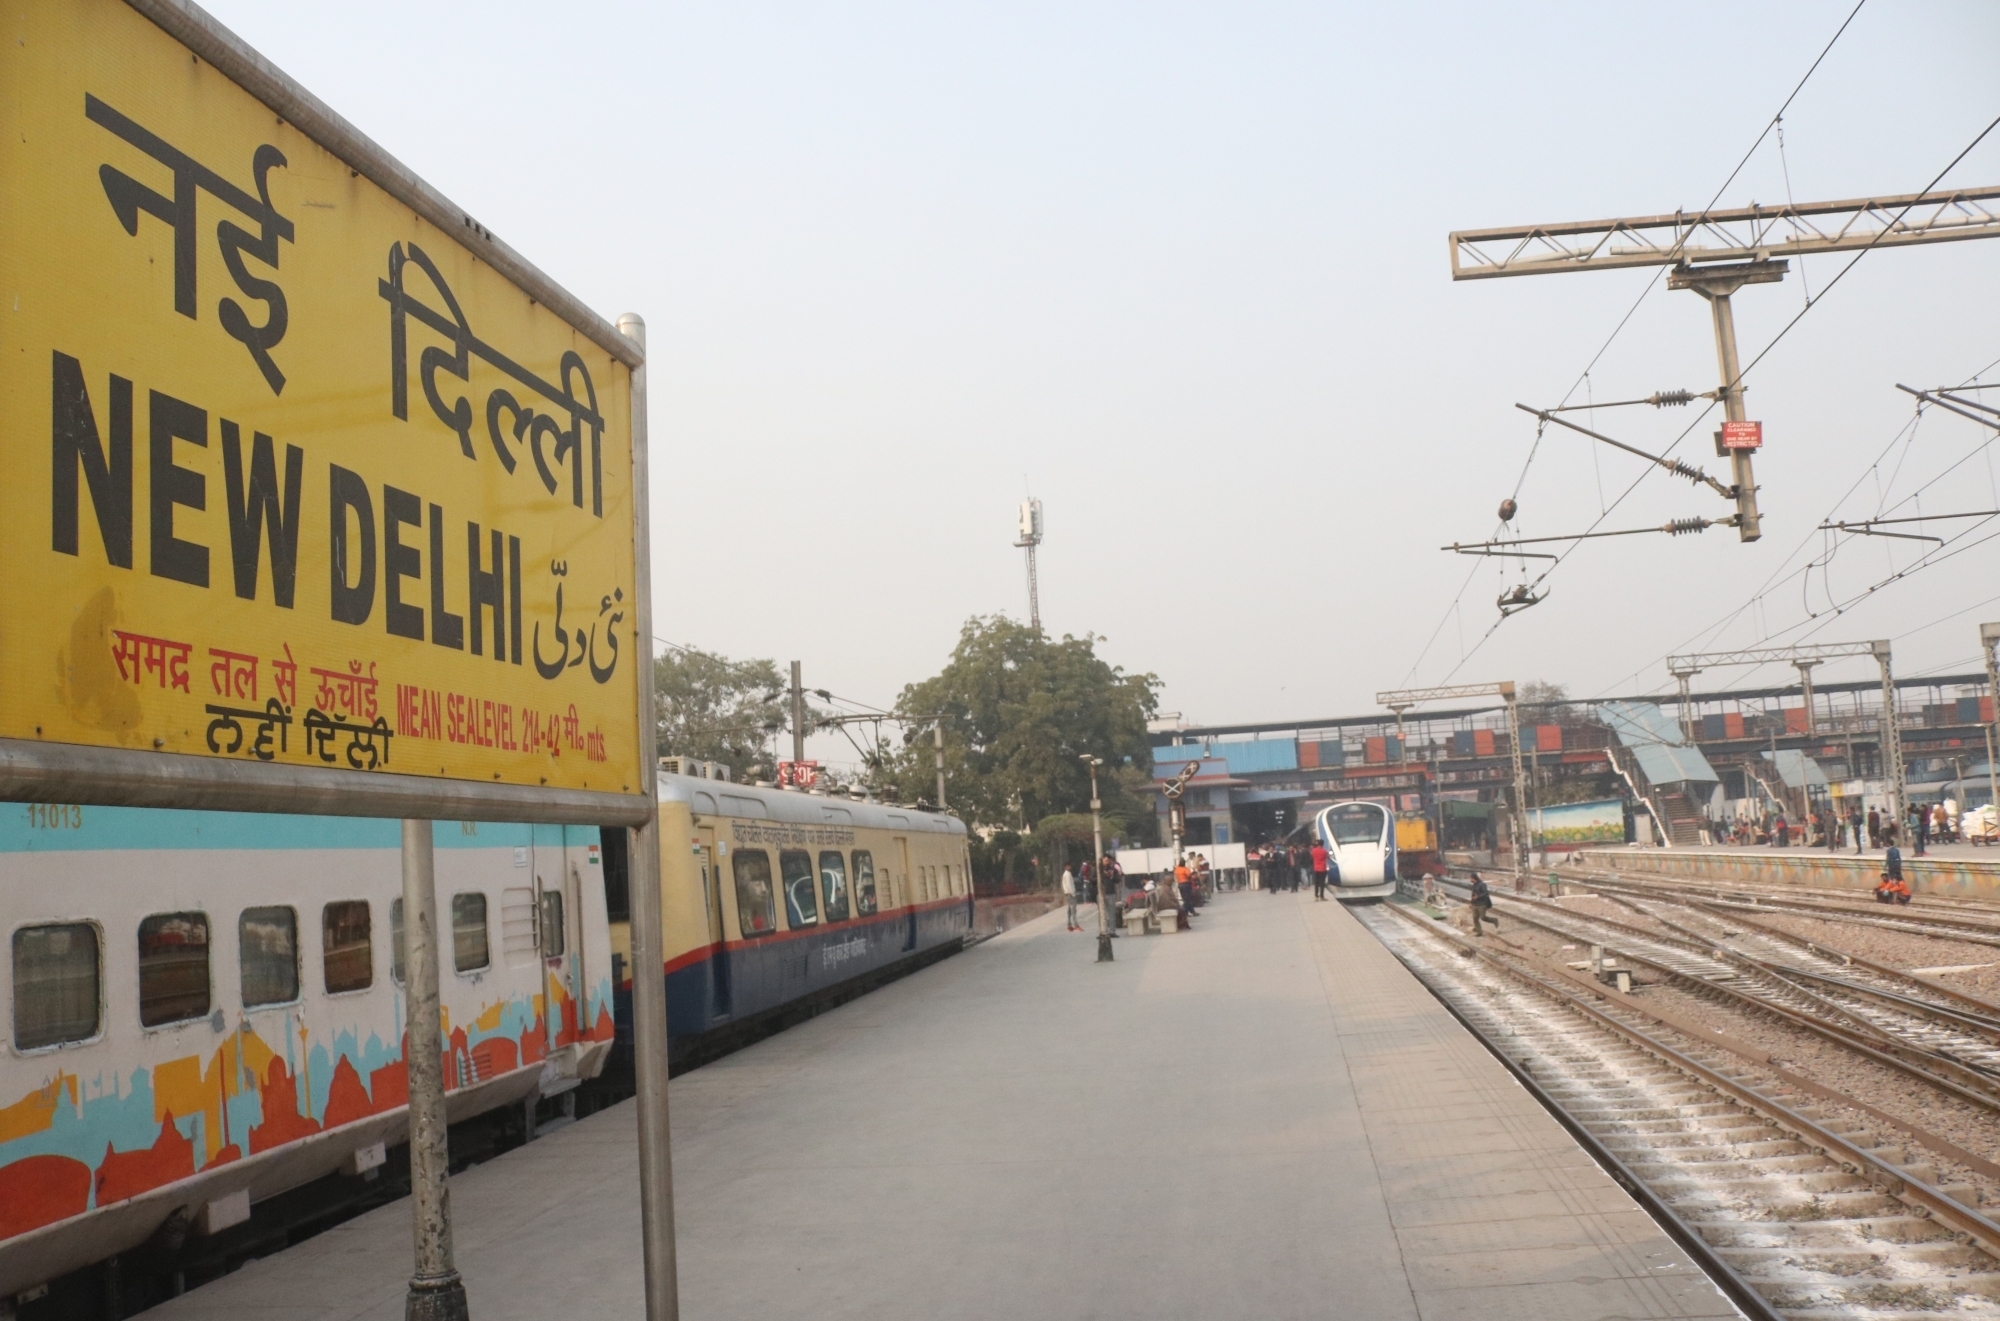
1951,402
1657,399
1679,527
1871,527
1674,466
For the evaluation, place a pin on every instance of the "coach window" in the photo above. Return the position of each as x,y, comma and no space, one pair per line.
173,968
348,953
756,909
267,942
833,884
468,931
864,883
801,904
56,993
553,943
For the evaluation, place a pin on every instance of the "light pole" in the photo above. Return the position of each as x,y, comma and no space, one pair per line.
1097,866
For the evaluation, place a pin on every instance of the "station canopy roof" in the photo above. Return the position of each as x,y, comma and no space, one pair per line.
1655,741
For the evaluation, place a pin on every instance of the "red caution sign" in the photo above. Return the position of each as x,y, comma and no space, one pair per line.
1743,435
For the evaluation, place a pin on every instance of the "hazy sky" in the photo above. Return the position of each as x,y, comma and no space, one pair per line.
1181,270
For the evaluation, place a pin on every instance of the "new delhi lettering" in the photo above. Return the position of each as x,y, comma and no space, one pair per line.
394,554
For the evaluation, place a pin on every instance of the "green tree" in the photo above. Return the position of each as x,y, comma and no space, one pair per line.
715,709
1020,711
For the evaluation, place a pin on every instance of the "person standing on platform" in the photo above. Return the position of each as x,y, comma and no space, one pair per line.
1482,907
1854,828
1874,828
1920,827
1781,831
1892,863
1109,874
1319,871
1181,874
1069,897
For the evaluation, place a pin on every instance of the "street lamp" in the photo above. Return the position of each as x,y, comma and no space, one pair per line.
1097,854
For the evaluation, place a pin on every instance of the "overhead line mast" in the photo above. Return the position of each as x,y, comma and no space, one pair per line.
1717,252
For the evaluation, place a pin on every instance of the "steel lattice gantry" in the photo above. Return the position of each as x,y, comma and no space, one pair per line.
1804,658
1752,233
1400,700
1717,252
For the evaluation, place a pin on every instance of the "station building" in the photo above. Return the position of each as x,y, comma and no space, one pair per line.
1677,771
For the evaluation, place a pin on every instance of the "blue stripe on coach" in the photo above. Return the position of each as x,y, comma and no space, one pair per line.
111,829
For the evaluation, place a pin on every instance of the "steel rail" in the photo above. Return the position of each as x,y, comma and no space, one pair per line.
1966,1081
1984,1016
1983,933
1940,1205
1870,1041
1724,1276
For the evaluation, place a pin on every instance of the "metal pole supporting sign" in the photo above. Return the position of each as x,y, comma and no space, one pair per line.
436,1293
649,983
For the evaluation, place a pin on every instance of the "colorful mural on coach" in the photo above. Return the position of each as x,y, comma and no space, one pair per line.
205,1009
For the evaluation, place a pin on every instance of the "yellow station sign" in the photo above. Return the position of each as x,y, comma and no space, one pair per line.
292,476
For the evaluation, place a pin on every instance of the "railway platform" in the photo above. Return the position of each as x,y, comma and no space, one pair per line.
1969,871
1266,1116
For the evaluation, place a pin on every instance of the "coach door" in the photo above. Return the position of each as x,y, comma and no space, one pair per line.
909,893
558,896
708,867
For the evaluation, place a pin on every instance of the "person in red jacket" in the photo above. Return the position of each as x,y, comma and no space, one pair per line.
1319,870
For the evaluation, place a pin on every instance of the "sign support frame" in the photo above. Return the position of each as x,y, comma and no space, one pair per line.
32,770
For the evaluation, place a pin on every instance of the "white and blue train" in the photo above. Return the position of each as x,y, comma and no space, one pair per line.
1360,842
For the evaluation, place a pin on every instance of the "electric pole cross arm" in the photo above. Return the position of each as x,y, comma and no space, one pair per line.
1409,697
1746,234
1819,651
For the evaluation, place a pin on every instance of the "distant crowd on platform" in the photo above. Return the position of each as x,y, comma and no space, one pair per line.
1286,867
1923,825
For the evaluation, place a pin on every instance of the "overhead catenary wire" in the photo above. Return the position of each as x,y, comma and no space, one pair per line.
1779,576
1652,283
1774,341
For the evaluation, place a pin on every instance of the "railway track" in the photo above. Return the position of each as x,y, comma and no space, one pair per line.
1890,1002
1906,1027
1972,921
1913,1045
1794,1213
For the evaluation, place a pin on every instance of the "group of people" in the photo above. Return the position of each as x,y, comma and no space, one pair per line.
1191,878
1288,866
1923,825
1083,887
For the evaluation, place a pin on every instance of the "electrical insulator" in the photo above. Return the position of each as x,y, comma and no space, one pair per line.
1671,398
1508,509
1682,526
